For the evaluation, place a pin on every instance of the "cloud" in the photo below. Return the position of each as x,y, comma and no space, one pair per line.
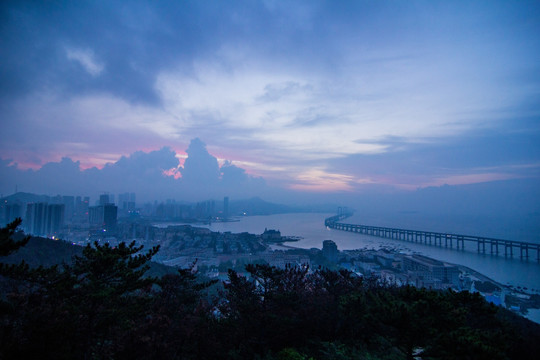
284,90
203,177
233,175
54,178
152,175
484,156
200,169
306,115
277,91
236,182
320,180
87,59
140,172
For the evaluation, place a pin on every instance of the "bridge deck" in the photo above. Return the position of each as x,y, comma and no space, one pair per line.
438,239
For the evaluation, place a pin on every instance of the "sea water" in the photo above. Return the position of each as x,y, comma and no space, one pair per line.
310,227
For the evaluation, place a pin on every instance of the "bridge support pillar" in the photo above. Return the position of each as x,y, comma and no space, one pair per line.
506,247
496,243
436,238
521,248
461,240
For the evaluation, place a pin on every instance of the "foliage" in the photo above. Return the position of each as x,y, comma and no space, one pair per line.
104,306
7,242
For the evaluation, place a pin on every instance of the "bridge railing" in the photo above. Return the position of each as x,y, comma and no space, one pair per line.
436,238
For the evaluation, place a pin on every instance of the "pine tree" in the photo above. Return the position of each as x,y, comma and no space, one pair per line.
7,243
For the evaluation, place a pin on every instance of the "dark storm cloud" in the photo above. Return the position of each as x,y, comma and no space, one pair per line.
135,40
124,37
132,41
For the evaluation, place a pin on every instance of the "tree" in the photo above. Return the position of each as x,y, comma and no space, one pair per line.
7,243
107,292
85,308
177,326
102,305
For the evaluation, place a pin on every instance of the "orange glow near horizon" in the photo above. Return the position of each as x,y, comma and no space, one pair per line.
174,172
320,181
310,180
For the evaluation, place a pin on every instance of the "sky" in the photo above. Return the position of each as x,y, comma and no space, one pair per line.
204,98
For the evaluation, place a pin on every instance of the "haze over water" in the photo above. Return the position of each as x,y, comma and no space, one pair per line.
310,226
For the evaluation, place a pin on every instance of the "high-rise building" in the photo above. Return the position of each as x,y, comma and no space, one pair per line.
226,207
81,209
126,202
211,207
11,212
104,199
35,218
44,219
77,210
330,250
55,219
110,216
95,216
103,217
69,211
123,200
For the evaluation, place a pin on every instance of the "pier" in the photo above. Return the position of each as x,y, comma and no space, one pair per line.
448,240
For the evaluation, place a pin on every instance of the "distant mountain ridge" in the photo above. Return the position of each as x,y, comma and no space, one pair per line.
25,197
258,206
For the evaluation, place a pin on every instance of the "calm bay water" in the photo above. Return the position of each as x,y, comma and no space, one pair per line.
310,226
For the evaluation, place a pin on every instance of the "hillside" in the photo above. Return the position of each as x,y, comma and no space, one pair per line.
102,305
46,252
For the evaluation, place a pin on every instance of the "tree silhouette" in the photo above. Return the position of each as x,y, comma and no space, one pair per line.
8,244
103,306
